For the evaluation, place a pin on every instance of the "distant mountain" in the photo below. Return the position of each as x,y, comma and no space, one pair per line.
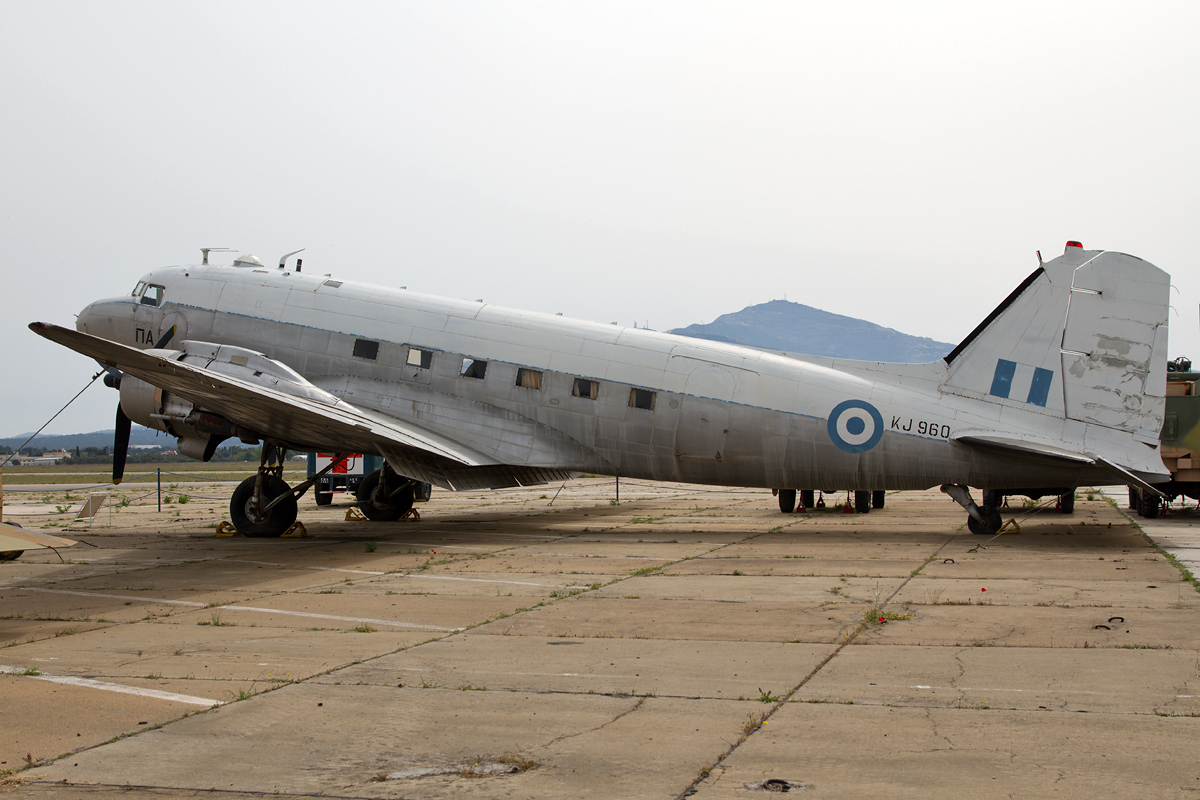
797,328
44,443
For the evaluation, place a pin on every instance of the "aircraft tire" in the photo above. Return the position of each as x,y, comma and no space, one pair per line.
281,517
806,497
993,522
787,500
1150,506
1134,500
1066,502
862,502
323,498
380,512
877,499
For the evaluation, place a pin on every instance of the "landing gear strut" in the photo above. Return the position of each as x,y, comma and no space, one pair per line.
265,505
985,520
385,496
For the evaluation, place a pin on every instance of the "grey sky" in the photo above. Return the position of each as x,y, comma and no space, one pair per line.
657,162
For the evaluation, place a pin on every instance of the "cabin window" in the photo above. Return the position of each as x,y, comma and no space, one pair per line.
529,378
473,368
585,388
420,358
365,348
153,295
641,398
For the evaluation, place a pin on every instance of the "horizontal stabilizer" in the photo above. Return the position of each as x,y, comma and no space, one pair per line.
1025,445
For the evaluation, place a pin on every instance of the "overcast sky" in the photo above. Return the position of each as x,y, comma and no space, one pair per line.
646,161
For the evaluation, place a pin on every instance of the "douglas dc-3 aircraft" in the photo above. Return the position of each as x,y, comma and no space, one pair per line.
1062,384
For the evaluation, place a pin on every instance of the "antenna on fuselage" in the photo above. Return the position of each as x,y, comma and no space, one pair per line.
206,250
283,258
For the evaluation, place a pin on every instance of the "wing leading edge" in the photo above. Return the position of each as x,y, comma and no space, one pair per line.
336,426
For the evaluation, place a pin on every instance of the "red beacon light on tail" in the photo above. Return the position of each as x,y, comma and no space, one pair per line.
1074,244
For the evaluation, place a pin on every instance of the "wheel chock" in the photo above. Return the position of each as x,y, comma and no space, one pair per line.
353,514
225,528
1015,527
412,514
296,531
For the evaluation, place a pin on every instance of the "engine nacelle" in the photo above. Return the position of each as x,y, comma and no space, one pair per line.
200,431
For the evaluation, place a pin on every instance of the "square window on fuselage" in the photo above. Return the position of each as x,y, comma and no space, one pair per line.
420,358
641,398
365,348
473,368
529,378
585,388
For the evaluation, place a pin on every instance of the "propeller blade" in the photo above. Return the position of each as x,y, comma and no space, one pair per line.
120,444
166,338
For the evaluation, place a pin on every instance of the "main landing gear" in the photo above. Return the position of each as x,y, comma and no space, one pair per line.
863,501
385,495
264,505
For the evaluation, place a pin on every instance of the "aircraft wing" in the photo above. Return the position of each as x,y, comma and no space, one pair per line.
336,427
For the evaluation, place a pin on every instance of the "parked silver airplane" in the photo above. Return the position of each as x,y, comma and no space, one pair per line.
1062,384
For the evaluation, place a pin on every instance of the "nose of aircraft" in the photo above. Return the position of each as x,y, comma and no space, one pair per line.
85,320
111,318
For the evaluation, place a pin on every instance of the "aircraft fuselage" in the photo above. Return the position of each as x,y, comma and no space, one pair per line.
569,394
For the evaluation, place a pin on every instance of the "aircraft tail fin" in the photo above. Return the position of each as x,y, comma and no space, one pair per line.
1083,339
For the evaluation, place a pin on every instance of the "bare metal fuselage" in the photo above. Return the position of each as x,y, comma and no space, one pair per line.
721,414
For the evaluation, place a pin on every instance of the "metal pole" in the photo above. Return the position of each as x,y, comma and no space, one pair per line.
618,490
159,471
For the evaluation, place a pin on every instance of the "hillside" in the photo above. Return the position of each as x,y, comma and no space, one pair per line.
44,443
797,328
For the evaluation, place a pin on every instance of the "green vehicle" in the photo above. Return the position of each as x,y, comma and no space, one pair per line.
1180,443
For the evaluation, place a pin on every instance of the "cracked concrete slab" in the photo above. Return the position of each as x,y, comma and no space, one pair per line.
1108,680
614,643
871,751
716,670
601,746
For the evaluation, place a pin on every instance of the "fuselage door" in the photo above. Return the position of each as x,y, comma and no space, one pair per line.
704,410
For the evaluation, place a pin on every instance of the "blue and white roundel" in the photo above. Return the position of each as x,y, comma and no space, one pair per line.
855,426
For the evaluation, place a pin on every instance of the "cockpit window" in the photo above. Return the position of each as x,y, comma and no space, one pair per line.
153,295
137,290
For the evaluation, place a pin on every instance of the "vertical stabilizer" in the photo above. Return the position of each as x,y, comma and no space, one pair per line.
1083,338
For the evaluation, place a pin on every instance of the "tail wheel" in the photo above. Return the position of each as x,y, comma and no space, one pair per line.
787,500
383,503
250,521
989,526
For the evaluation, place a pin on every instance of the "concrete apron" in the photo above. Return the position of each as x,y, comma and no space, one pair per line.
685,641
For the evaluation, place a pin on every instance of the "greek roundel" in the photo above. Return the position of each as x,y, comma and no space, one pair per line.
855,426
